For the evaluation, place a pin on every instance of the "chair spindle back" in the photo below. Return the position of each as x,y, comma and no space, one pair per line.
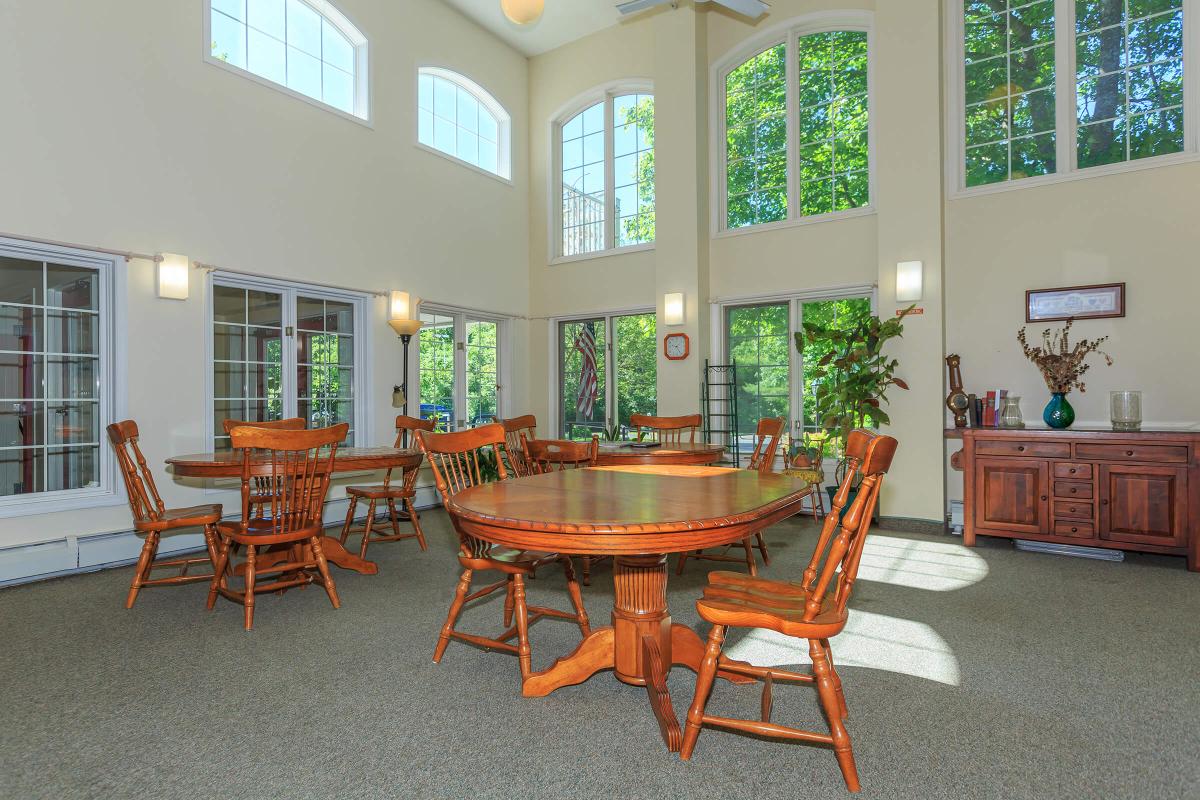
263,482
514,429
766,443
296,464
454,458
841,542
559,455
406,436
144,500
668,430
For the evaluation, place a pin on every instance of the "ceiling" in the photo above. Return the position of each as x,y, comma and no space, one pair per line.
563,21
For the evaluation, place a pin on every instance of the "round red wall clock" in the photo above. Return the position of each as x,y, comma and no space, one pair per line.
676,346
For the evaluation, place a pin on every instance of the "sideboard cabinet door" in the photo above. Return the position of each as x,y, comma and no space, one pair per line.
1144,504
1011,494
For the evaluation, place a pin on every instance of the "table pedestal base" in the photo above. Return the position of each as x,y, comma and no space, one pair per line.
640,646
335,553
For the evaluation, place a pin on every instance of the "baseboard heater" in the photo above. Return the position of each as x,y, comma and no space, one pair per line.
1053,548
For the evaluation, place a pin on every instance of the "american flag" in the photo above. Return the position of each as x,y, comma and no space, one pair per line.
585,343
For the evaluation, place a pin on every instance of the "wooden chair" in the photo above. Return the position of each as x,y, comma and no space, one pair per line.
296,465
514,429
152,518
263,491
806,465
762,460
455,460
814,609
557,455
668,430
405,492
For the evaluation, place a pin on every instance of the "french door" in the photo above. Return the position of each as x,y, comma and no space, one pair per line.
607,371
458,369
774,379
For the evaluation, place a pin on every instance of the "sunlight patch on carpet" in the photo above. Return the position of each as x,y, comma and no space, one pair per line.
874,641
916,564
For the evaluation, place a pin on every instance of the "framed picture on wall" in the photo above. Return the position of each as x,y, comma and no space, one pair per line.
1078,302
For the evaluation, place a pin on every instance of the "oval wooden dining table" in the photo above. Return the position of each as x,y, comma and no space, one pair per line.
228,464
613,454
639,514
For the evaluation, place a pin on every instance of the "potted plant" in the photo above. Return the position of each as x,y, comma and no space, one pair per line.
852,378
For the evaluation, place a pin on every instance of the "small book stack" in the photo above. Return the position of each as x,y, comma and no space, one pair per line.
984,412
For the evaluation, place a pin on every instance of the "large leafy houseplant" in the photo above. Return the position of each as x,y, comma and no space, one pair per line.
852,378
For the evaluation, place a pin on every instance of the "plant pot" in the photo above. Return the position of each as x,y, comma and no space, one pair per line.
1058,413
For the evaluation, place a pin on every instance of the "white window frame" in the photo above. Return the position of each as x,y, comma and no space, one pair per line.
605,94
610,345
787,33
112,373
503,360
719,308
363,417
362,83
1066,121
486,99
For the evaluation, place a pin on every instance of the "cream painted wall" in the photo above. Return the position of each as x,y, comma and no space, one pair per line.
120,135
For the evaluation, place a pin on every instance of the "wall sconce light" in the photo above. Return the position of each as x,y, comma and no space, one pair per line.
172,276
405,319
673,313
910,280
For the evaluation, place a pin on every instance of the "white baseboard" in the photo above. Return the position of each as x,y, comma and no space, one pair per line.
74,555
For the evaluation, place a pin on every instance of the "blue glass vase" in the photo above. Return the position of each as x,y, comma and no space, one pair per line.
1058,413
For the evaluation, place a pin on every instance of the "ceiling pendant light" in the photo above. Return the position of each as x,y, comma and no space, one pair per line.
522,12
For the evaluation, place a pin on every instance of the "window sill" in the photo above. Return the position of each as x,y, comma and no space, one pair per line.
270,84
1156,162
865,211
54,502
612,251
455,159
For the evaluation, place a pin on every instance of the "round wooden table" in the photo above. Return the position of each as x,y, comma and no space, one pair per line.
699,453
639,514
348,459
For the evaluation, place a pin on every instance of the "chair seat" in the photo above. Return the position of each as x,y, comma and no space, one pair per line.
734,599
182,518
259,531
508,560
379,492
811,475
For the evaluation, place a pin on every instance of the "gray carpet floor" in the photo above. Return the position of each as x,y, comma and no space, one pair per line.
969,673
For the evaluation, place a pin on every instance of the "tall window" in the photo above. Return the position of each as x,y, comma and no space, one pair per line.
458,117
774,170
607,370
1126,89
282,351
773,378
459,360
606,169
55,372
307,46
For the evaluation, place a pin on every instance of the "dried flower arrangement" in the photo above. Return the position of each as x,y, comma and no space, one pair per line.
1062,366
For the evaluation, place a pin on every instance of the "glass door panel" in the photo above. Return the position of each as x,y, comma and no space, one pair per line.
636,361
482,371
758,339
436,346
583,366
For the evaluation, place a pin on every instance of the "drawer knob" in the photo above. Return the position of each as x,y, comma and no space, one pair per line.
1020,448
1129,452
1043,497
1103,502
1072,470
1072,509
1074,530
1073,491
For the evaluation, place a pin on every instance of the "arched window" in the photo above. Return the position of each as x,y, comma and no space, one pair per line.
605,163
459,118
795,124
307,47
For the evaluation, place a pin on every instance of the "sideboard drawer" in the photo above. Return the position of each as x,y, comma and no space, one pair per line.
1081,530
1073,489
1075,472
1069,509
1160,453
992,447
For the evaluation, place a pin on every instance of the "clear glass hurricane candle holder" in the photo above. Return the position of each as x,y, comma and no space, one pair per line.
1126,409
1010,413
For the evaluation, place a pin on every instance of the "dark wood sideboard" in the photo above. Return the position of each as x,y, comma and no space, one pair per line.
1096,488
